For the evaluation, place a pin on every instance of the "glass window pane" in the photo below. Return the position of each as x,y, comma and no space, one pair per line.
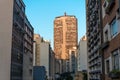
115,60
114,28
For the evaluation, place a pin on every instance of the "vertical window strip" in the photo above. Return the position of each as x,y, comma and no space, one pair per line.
115,59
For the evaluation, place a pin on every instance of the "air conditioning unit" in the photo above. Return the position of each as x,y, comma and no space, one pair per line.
105,4
108,5
118,14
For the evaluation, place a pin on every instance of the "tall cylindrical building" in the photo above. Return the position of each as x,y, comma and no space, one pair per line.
65,35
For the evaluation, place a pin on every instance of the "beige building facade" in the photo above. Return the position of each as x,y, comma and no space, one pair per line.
6,22
65,35
44,55
36,49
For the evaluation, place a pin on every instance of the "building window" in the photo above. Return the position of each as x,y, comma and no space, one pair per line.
19,3
114,28
107,66
106,35
115,59
23,9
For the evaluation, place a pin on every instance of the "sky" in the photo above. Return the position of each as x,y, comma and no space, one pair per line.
42,13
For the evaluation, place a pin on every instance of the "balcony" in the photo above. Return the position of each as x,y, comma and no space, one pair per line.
105,45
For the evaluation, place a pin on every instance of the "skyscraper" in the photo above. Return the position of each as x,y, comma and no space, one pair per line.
65,35
94,39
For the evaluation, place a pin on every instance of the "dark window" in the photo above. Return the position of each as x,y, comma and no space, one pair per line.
107,66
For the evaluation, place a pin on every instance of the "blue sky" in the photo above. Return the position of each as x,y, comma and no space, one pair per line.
41,14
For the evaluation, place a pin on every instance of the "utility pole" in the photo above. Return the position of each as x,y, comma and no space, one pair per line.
101,50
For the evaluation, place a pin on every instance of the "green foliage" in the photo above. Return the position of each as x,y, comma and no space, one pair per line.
115,71
84,76
114,74
108,0
66,76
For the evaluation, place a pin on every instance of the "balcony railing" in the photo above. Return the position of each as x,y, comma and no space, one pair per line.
105,45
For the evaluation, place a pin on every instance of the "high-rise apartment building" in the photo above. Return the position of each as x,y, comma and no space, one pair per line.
65,35
12,31
94,39
111,37
12,38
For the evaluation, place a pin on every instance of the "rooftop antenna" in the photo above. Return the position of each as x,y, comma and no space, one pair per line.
65,13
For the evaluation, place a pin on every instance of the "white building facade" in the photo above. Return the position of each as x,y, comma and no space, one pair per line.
44,55
82,55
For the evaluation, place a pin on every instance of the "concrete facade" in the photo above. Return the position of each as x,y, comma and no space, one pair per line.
94,39
82,54
28,51
51,64
58,66
47,59
65,35
44,55
12,31
6,22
